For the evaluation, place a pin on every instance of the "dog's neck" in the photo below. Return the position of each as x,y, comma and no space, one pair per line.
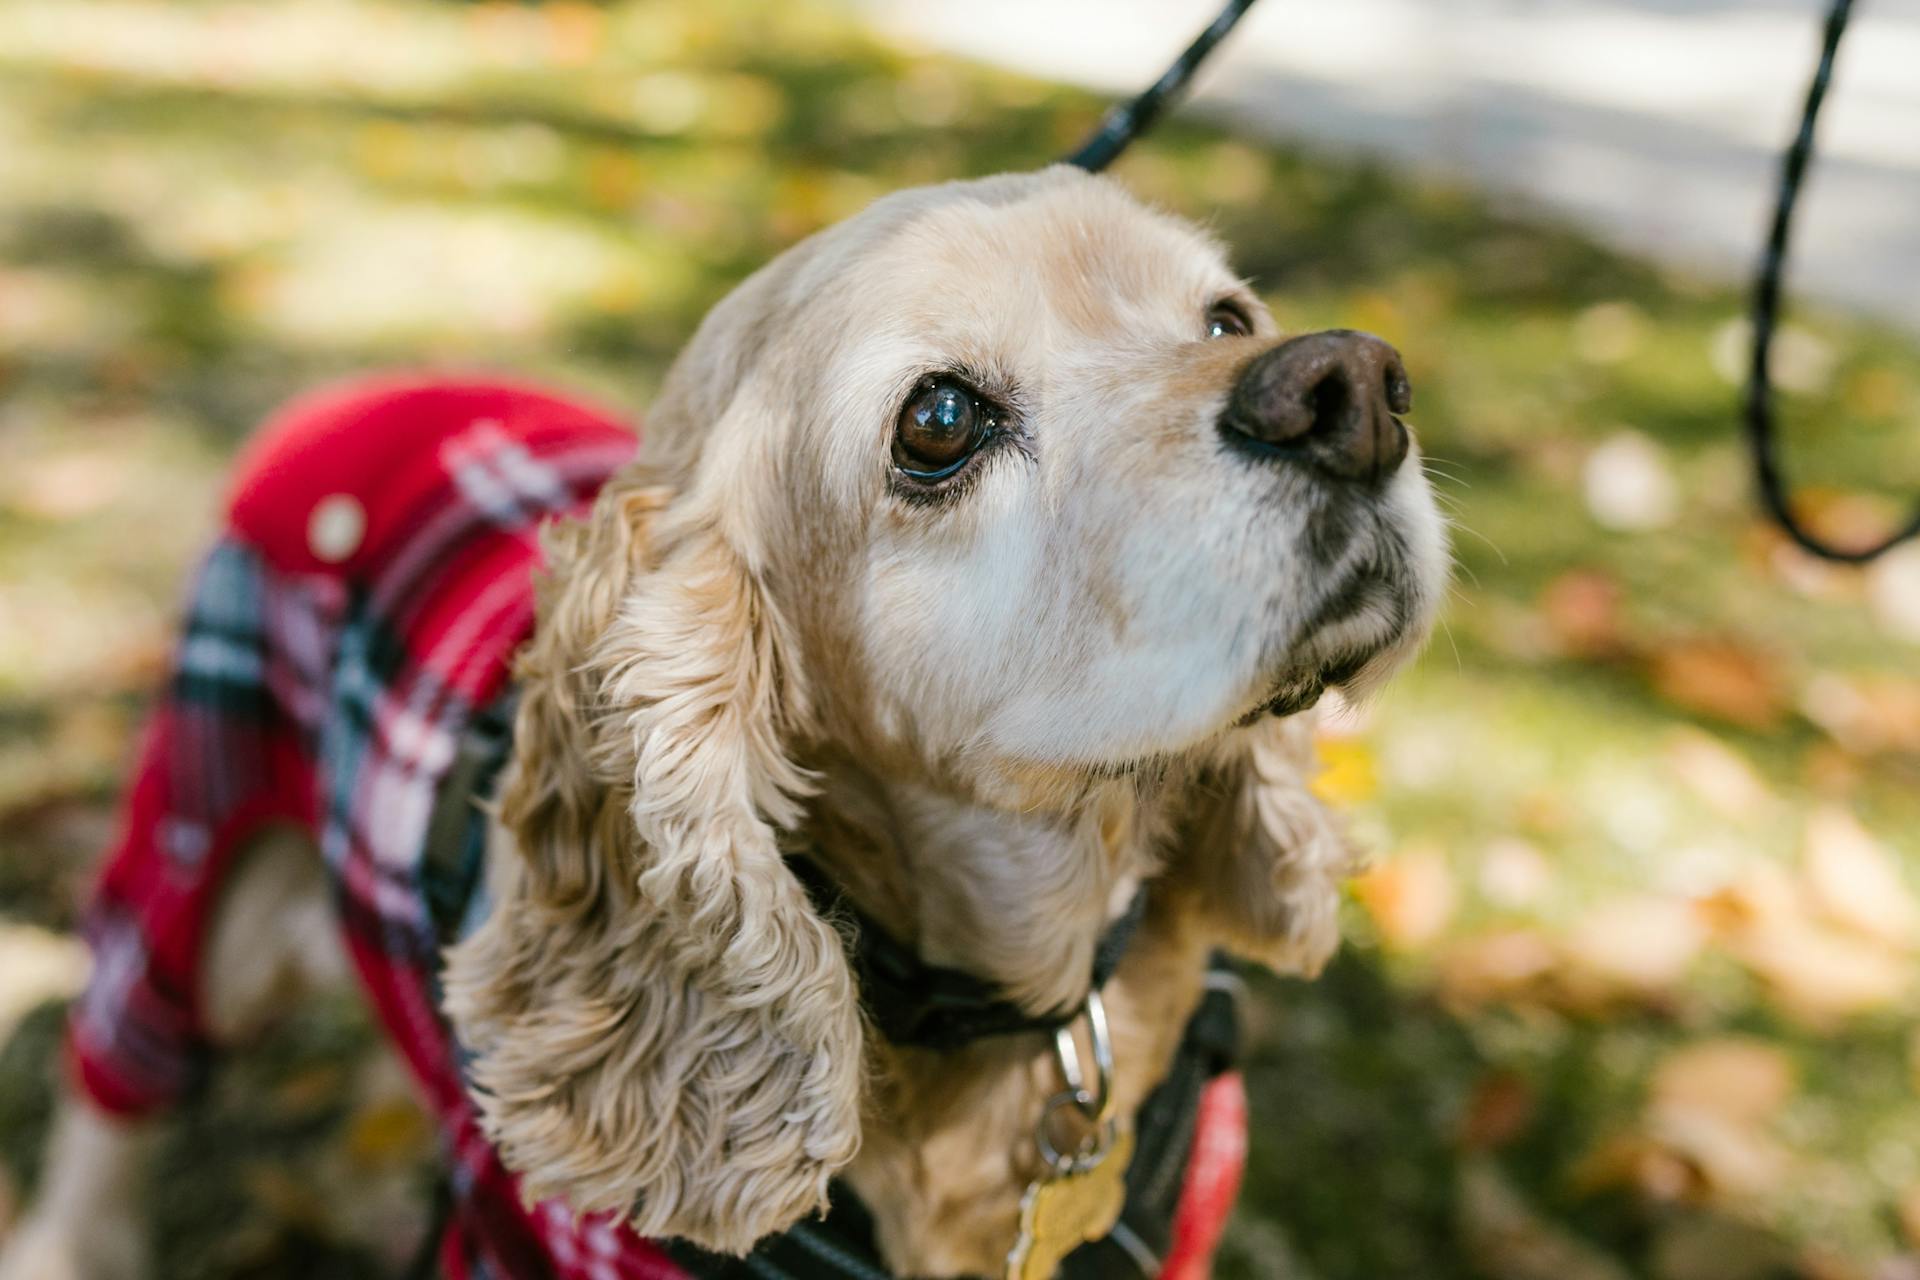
1017,898
1018,895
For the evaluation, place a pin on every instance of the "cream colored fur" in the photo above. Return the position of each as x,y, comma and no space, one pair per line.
991,718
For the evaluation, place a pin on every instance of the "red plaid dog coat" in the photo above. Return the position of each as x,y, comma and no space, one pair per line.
345,638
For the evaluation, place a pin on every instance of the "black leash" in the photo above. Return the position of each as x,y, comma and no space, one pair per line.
1127,121
1762,431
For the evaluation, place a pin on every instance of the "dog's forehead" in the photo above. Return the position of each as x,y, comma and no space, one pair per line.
1066,253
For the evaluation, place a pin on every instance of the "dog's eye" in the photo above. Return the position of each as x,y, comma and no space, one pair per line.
940,427
1224,320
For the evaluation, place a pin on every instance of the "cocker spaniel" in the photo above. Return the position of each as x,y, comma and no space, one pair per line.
946,652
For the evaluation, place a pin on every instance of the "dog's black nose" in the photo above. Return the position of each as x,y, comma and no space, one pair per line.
1328,400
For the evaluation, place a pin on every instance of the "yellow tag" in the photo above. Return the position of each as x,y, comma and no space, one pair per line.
1062,1211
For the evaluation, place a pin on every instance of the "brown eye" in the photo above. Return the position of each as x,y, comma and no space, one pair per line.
940,427
1225,320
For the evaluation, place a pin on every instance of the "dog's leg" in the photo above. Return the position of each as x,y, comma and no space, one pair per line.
272,937
85,1224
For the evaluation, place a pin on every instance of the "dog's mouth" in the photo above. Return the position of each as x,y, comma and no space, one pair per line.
1300,688
1358,620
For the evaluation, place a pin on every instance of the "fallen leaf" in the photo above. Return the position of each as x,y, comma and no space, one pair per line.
1498,1111
1740,1079
575,32
1687,1155
1762,896
1637,946
1581,609
1721,678
1502,966
1831,771
1855,882
1765,547
1410,896
1867,715
1637,1163
1719,776
1846,518
1820,976
1347,774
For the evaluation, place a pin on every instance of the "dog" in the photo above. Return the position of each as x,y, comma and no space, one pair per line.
895,739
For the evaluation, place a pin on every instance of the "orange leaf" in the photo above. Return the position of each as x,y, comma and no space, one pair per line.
1820,976
1495,966
1855,883
1582,611
1723,679
1411,896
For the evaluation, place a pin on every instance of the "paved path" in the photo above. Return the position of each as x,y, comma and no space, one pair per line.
1654,122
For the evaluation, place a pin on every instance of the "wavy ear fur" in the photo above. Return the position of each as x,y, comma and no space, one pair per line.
1265,856
661,1023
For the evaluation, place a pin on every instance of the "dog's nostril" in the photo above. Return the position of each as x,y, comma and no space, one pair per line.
1399,390
1327,400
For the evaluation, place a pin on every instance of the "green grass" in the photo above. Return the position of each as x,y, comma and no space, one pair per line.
207,207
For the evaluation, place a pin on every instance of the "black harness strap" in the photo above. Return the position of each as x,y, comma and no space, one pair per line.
927,1006
840,1245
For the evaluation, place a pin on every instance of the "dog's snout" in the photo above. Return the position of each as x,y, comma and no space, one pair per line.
1327,400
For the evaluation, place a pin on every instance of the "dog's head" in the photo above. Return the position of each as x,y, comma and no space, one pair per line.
1011,482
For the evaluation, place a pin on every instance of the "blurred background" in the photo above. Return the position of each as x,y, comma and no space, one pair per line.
1630,989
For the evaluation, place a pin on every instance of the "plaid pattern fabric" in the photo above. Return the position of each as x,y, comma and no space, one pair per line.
343,640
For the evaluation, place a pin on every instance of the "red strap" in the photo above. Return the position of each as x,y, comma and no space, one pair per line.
1213,1179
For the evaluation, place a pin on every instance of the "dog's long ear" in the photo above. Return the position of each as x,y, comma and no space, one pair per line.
1264,857
661,1023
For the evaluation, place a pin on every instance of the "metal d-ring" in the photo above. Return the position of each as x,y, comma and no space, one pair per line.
1093,1099
1095,1103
